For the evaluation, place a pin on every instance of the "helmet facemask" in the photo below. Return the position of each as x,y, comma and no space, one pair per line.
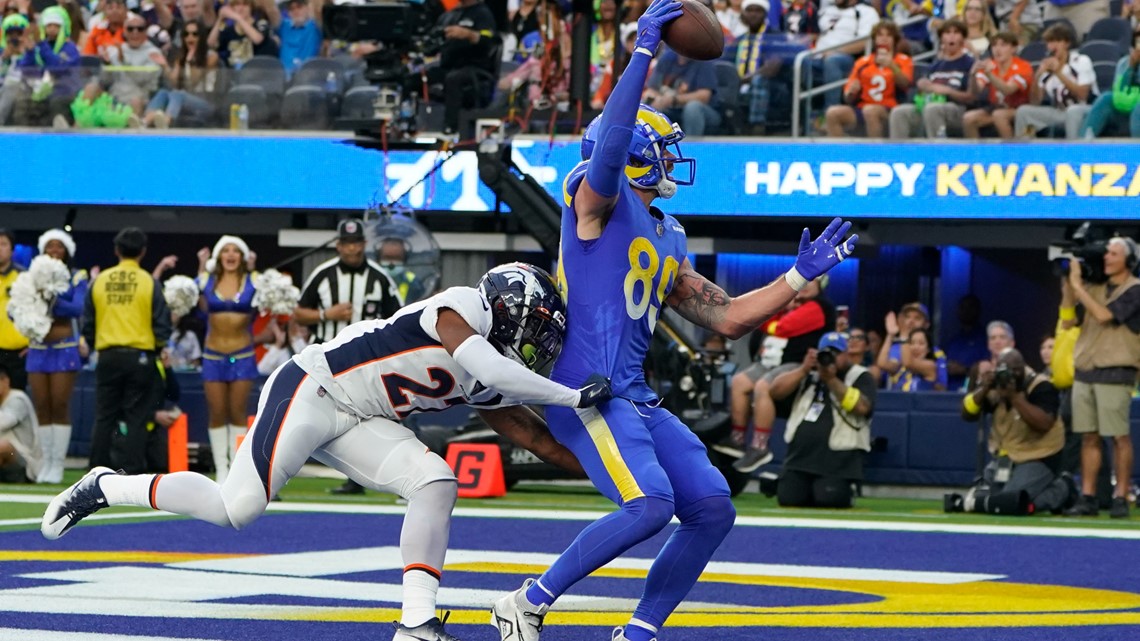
535,335
662,157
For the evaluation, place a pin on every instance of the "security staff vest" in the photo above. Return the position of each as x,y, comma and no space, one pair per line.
1111,344
123,299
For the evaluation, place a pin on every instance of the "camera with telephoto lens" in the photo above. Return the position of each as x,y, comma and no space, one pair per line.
825,357
1003,376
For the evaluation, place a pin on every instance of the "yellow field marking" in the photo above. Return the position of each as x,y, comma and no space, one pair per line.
113,556
897,605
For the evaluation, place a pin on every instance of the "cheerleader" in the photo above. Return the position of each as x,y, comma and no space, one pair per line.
52,363
228,364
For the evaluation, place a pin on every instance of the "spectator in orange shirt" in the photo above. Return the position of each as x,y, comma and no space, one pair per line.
873,87
108,32
1007,79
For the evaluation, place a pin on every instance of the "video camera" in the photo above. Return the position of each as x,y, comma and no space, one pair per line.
1087,246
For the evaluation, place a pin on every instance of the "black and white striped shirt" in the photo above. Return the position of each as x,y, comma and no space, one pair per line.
371,291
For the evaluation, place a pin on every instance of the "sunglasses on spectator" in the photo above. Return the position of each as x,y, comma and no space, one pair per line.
857,337
136,27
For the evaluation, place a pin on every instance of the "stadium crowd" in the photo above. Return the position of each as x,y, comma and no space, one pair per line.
936,68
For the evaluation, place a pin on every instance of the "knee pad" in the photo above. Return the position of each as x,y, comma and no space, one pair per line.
243,509
428,469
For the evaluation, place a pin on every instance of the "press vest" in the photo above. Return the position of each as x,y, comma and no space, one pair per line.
849,431
1011,434
1103,345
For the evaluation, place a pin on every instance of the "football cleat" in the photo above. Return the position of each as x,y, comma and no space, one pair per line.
516,618
430,630
74,504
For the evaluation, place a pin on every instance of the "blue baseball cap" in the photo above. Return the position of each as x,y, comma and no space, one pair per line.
833,340
915,306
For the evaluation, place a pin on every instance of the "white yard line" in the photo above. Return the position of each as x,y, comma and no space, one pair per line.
14,634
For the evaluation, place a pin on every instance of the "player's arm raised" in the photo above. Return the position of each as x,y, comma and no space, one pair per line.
703,302
524,428
595,197
479,357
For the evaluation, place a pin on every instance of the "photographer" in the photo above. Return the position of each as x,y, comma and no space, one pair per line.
1026,439
1105,359
829,428
465,76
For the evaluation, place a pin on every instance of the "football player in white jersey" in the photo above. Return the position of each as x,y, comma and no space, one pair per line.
339,402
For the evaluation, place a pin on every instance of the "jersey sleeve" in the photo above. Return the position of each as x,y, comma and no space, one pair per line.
1083,67
468,302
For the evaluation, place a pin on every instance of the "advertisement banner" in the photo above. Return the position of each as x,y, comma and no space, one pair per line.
947,180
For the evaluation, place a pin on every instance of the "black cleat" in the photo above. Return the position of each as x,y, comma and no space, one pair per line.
74,504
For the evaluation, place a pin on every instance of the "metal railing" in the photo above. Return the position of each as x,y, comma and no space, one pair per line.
800,95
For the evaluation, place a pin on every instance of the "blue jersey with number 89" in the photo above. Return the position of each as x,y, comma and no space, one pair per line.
614,287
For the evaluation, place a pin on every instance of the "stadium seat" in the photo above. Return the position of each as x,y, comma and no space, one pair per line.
1115,7
353,69
1103,51
261,111
1105,74
728,93
315,72
358,102
1033,53
1118,30
266,72
305,107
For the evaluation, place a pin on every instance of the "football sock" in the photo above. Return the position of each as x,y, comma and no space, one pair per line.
704,524
639,631
45,437
62,441
420,588
219,447
423,546
187,493
601,542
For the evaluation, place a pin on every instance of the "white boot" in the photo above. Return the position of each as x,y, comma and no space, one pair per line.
220,446
45,439
61,441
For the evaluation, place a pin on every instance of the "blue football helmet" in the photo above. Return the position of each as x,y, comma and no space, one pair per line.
529,45
648,167
529,317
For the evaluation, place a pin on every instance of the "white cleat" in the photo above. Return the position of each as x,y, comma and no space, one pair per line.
516,618
74,504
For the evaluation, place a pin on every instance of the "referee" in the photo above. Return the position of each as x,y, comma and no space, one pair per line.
345,290
127,321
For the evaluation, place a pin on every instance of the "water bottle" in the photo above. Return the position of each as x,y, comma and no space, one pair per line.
330,83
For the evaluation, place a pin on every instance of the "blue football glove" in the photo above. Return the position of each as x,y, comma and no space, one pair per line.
650,24
596,390
817,257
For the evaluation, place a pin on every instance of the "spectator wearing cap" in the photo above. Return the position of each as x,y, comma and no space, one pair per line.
345,290
829,428
127,321
13,344
299,31
912,316
39,100
11,52
107,33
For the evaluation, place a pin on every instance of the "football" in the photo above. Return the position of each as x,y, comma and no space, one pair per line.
696,33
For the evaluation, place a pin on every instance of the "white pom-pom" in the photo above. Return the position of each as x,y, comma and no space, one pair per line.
50,276
30,311
275,293
181,294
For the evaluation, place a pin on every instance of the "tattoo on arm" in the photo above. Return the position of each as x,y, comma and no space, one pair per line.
700,300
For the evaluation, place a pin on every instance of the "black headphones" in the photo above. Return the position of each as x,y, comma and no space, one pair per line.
1133,257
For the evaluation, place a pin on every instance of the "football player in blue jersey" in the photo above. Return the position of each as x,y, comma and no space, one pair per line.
621,260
